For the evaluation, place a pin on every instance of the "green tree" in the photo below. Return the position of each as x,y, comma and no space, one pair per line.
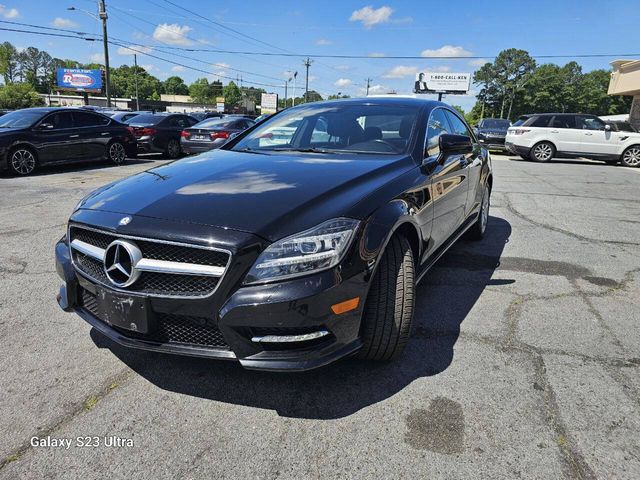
175,86
123,82
312,96
254,94
513,69
232,95
200,91
19,95
8,62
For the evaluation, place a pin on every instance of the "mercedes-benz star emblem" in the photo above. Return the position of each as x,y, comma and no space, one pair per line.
120,260
125,221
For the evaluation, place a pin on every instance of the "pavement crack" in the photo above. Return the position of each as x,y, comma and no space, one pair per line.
80,407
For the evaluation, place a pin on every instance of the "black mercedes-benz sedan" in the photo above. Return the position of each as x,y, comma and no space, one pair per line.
33,137
283,252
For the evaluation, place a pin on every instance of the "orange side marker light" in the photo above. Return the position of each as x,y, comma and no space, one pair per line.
346,306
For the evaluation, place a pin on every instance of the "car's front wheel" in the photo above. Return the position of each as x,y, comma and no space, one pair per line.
388,311
631,157
542,152
117,153
22,161
173,149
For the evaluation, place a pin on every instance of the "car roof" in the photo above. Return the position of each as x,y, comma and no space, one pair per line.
388,100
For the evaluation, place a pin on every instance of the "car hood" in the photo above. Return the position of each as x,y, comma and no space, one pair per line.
268,195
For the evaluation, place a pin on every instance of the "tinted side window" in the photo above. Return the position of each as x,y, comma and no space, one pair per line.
84,119
539,121
437,126
457,125
563,121
60,120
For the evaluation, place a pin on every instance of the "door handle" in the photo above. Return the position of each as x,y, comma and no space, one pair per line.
588,134
554,131
104,133
74,136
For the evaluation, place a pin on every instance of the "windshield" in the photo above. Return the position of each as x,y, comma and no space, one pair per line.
20,119
497,123
339,128
215,122
146,119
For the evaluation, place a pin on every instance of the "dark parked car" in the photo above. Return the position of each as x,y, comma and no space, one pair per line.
212,133
42,136
200,116
160,132
491,133
124,117
281,255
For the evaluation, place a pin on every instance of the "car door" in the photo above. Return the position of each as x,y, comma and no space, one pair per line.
565,134
94,133
474,161
449,180
596,140
57,139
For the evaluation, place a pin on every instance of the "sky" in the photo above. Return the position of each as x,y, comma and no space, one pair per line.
465,28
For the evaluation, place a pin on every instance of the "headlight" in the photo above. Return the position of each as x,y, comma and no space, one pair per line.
313,250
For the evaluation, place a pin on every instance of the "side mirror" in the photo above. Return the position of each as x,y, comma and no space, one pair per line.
454,145
607,127
45,126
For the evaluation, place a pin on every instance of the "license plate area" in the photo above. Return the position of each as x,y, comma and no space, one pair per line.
201,137
124,311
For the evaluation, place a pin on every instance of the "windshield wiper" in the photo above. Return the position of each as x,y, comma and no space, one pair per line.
302,150
249,150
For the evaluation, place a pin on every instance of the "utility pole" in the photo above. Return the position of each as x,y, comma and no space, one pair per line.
285,93
135,77
368,85
293,100
103,16
307,63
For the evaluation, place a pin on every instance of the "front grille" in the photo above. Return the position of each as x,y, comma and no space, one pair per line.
153,283
169,328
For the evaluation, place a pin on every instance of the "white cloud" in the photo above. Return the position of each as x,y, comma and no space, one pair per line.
376,54
478,62
441,68
7,12
221,65
172,34
63,23
134,49
343,68
323,41
312,78
375,89
343,82
446,51
97,58
370,16
177,68
400,71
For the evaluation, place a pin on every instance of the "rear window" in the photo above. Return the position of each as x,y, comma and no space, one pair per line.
146,119
497,123
520,121
215,123
538,121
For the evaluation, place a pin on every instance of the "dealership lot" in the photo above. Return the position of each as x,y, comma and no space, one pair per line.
525,360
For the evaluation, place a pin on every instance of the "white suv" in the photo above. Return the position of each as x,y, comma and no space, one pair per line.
542,137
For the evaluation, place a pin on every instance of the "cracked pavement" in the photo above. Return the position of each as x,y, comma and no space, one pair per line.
524,362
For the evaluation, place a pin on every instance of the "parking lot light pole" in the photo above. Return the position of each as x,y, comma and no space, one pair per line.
102,15
135,78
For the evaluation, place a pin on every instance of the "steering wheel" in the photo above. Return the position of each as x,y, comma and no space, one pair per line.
388,147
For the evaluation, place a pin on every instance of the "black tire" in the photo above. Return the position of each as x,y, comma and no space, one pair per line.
631,157
173,149
388,311
116,152
478,230
22,161
542,152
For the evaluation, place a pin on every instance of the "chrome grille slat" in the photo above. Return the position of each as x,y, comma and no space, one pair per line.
168,269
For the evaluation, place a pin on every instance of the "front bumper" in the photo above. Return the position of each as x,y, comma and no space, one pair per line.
517,149
191,147
290,307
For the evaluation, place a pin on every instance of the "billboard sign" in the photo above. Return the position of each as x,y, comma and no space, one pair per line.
439,82
269,103
79,79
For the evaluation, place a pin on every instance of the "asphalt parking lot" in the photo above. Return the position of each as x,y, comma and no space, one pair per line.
524,363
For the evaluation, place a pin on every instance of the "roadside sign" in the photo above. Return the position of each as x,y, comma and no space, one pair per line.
269,103
437,82
79,79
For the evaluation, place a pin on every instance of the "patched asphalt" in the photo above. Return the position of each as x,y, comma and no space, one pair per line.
524,363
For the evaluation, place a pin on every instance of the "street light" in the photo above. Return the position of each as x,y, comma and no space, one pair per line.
102,16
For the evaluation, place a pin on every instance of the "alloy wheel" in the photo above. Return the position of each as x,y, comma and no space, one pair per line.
23,162
543,152
117,153
631,157
173,149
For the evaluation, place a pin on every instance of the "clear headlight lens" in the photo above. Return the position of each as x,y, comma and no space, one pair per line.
313,250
